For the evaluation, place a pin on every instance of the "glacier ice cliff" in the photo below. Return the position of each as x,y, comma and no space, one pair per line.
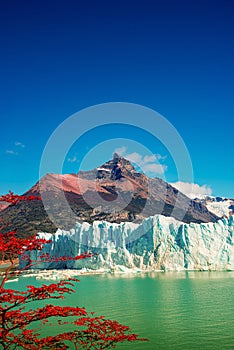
158,243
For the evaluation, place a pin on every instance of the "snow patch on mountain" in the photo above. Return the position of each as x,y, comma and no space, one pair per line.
220,206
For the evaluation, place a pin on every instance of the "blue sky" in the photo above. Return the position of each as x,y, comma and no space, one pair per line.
176,57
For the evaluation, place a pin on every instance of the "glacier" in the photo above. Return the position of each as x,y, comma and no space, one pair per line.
158,243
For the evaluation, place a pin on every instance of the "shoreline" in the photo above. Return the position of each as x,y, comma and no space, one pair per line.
56,275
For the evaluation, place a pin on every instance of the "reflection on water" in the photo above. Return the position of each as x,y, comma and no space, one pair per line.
170,274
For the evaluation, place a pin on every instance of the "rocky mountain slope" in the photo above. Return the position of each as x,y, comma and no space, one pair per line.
114,192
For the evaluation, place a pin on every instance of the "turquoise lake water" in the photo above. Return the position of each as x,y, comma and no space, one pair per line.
179,310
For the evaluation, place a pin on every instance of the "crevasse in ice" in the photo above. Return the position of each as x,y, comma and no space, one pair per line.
158,243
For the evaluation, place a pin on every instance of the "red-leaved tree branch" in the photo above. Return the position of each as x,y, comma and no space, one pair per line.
17,315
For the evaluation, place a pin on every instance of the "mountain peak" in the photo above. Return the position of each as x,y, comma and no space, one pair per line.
116,156
118,167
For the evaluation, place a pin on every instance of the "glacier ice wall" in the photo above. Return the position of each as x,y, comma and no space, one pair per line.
158,243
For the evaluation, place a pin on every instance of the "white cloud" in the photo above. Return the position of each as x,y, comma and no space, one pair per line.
149,163
192,190
10,151
19,144
72,160
121,150
15,149
150,159
154,168
154,158
134,157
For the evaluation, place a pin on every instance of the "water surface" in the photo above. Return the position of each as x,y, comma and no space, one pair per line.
179,310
